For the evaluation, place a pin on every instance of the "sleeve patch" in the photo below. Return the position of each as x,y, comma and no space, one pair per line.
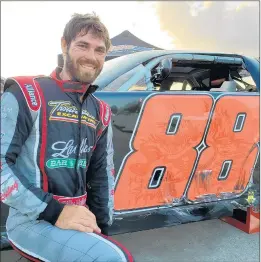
105,113
31,94
9,190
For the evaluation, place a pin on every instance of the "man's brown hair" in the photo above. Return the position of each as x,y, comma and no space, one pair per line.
82,24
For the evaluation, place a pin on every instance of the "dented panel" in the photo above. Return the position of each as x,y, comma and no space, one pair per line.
206,144
204,159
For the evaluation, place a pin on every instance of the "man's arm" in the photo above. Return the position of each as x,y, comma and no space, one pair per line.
16,190
100,175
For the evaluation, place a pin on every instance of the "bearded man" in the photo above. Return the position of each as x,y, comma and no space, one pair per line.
57,173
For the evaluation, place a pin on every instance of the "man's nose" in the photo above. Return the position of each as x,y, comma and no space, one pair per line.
90,54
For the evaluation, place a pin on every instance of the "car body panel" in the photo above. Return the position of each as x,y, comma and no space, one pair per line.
253,66
135,202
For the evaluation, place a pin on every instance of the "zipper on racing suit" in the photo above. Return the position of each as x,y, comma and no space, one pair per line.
79,137
81,100
89,185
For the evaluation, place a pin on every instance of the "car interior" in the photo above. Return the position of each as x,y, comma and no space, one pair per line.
208,77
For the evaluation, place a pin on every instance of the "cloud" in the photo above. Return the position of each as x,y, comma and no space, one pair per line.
212,26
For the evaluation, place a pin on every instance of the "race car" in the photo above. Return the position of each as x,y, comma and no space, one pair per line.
186,136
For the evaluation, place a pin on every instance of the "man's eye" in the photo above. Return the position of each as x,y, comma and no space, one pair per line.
101,51
82,46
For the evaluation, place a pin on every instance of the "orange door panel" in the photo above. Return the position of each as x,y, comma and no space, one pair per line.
169,127
187,146
225,166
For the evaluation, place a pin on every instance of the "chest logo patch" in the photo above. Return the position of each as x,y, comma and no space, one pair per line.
64,111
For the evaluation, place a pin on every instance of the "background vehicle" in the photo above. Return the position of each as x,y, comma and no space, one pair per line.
186,149
2,85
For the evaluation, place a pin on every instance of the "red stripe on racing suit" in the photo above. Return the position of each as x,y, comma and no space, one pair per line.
79,201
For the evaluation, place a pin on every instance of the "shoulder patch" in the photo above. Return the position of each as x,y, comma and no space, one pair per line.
30,90
105,112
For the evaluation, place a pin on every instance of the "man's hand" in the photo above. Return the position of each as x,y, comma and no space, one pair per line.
77,218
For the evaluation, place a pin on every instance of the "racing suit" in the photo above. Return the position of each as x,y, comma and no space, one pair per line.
56,149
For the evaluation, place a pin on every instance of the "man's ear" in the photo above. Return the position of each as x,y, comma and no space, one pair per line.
63,45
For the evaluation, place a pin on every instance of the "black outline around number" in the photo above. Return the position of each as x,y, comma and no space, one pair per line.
159,180
132,150
242,123
220,177
177,116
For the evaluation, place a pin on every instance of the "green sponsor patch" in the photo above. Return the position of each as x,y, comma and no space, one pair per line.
82,163
65,162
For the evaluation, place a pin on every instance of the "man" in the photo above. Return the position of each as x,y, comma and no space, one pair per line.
57,155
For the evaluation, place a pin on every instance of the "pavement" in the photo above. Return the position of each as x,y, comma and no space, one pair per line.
205,241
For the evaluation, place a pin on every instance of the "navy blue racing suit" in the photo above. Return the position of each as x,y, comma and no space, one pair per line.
56,149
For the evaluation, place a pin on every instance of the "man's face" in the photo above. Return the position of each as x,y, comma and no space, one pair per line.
85,57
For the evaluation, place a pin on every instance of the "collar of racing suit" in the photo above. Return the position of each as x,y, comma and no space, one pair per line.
71,86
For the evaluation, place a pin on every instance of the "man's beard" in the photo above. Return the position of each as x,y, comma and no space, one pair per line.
80,75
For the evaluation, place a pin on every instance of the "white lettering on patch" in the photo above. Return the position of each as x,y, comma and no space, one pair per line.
65,150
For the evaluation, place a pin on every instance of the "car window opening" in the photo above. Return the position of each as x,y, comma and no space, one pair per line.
213,78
